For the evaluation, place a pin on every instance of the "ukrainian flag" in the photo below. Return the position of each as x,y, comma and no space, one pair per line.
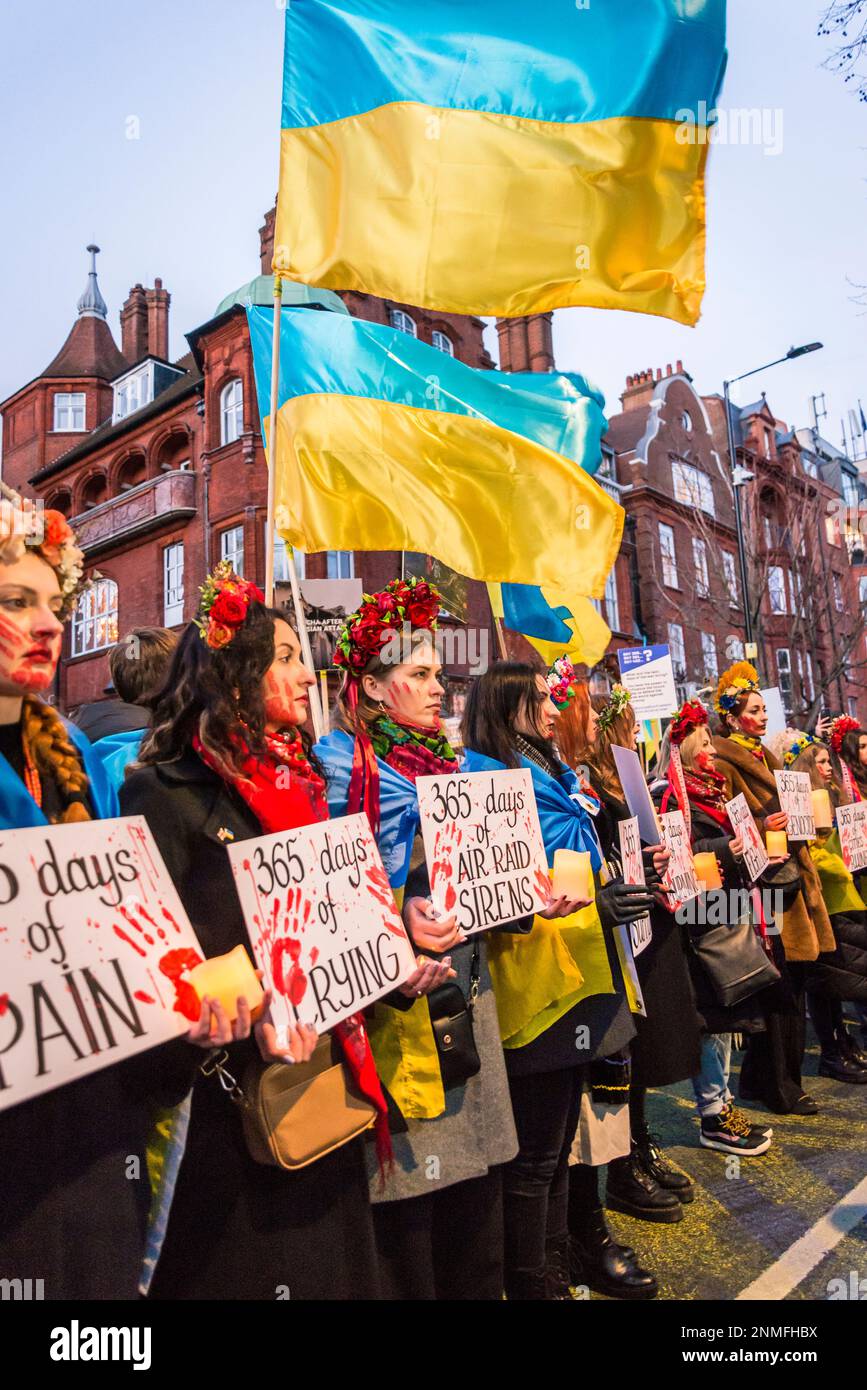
499,156
552,622
384,443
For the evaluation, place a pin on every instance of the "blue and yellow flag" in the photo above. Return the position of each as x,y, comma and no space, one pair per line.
555,623
500,158
384,443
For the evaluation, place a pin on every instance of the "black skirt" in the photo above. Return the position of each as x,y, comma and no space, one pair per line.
667,1046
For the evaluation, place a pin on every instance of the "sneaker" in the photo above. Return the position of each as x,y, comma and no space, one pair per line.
731,1132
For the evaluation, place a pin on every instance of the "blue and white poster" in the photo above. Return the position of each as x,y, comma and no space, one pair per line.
648,675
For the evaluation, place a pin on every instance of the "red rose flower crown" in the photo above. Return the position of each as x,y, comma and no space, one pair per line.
691,716
224,606
411,602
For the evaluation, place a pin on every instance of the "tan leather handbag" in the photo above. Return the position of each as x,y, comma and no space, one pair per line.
293,1115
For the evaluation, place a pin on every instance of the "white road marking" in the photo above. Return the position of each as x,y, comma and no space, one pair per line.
810,1249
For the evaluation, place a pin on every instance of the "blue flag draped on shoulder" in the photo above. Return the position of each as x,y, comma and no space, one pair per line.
498,156
385,443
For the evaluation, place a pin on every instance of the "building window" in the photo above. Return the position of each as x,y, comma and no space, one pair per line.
173,584
282,552
769,443
612,603
838,592
677,649
692,486
69,412
443,343
341,564
94,619
853,707
669,556
231,412
699,555
686,421
708,651
805,673
777,589
399,319
133,392
232,547
731,577
832,530
862,590
784,678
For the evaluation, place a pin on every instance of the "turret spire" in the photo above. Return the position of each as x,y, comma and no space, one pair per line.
91,304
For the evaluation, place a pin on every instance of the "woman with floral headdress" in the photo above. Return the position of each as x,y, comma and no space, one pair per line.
667,1045
848,743
771,1072
839,975
438,1218
70,1215
226,760
690,782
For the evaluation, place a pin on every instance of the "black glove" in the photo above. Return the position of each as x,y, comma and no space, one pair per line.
619,903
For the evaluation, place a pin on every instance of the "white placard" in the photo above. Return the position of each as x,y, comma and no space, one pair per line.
322,919
93,946
756,857
483,845
637,793
640,932
648,675
852,825
777,721
793,789
680,882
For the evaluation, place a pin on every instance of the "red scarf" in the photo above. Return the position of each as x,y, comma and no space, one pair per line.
706,791
277,806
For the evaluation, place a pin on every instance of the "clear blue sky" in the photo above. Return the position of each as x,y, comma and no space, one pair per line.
185,199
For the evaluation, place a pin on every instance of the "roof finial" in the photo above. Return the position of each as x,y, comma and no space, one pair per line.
91,304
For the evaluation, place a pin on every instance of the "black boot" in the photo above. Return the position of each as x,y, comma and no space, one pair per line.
595,1260
558,1271
632,1190
850,1047
840,1067
657,1166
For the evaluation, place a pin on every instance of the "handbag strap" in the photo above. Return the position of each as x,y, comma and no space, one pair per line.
214,1065
475,975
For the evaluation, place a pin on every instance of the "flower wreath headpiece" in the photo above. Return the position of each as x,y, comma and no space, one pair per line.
561,682
224,606
692,715
802,742
738,680
841,726
25,526
412,601
619,699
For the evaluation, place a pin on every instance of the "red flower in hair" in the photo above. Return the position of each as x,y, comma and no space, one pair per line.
230,609
691,716
57,530
841,726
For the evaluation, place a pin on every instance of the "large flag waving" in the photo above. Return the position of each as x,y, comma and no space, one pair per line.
498,156
384,443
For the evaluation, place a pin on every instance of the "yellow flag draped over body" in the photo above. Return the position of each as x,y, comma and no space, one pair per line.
384,443
500,157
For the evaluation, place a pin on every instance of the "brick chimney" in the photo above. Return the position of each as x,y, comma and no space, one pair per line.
158,301
639,389
134,326
266,240
526,344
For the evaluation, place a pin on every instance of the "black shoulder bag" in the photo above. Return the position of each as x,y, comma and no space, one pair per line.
451,1016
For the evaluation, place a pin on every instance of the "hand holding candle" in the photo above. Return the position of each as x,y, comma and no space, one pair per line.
707,871
227,979
777,844
572,875
822,809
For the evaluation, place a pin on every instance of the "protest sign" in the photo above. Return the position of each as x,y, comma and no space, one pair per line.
852,825
756,857
793,789
94,944
324,926
648,675
777,720
640,932
680,882
483,845
637,794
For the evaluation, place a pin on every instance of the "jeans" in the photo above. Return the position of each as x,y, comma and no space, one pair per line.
536,1182
711,1086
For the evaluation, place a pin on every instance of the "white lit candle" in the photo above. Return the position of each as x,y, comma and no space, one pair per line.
822,809
572,875
227,979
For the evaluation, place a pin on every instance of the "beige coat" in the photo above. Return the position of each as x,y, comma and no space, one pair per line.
806,926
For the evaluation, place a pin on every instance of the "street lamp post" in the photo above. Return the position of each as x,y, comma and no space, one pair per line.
736,485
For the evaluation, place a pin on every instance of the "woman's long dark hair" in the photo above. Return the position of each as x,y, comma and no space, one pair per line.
495,702
849,754
216,694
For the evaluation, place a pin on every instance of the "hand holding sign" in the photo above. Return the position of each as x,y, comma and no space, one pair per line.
484,847
755,855
632,860
680,882
796,802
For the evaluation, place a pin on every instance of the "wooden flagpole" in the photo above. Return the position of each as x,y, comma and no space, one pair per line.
300,619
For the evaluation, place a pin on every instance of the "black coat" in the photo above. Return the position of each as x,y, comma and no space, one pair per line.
105,717
239,1229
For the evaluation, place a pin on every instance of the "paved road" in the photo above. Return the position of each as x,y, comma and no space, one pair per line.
739,1225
